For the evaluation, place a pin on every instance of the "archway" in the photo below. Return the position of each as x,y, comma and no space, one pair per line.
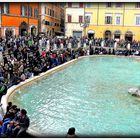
33,30
91,34
9,32
128,36
23,28
117,35
107,34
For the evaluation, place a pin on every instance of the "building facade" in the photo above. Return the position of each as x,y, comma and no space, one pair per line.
19,18
51,18
0,20
113,20
74,17
62,18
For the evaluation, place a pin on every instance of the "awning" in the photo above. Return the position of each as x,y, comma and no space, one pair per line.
59,32
91,32
117,32
129,33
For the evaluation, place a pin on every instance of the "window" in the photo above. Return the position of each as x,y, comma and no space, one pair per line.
88,5
81,5
5,8
23,10
109,4
30,11
118,5
118,20
36,13
47,23
62,14
69,18
108,20
62,5
51,23
69,4
138,5
53,13
45,10
9,32
80,19
49,12
138,20
87,18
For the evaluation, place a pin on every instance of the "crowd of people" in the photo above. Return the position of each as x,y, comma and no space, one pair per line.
23,57
14,123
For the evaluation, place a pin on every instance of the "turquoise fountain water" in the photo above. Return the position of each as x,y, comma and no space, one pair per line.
90,95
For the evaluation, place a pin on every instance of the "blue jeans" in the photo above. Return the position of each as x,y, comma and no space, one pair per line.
4,125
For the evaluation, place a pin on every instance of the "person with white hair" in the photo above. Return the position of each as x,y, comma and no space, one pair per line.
102,43
69,45
128,46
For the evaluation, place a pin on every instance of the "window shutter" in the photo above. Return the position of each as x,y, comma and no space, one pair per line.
21,10
2,8
69,4
45,10
48,11
81,5
37,13
69,18
80,19
110,20
34,12
7,8
31,11
26,11
106,20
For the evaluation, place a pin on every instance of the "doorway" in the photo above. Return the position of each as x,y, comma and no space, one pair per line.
33,30
77,34
91,34
23,28
107,34
117,35
129,36
8,32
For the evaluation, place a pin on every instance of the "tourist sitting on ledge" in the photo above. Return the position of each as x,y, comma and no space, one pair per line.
19,125
15,79
9,106
36,71
23,77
